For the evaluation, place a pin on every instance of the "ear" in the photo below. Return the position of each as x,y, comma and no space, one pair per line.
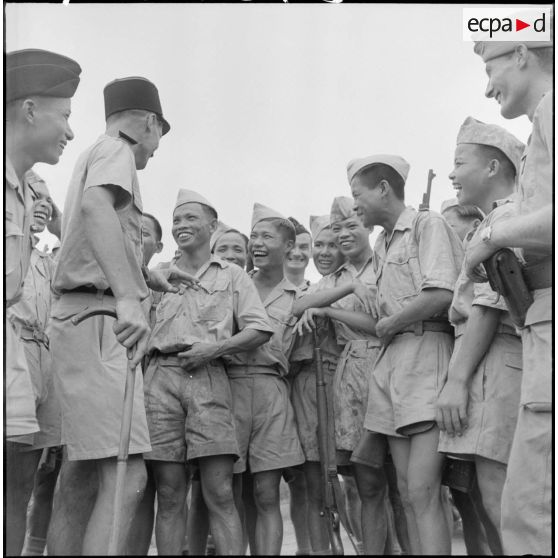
384,187
289,245
28,109
521,54
493,167
150,121
158,247
213,225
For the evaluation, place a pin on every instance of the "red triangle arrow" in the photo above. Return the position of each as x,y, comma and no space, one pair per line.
519,25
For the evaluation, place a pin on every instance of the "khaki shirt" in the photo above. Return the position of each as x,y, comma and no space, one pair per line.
33,309
226,303
18,205
274,354
108,162
422,252
467,293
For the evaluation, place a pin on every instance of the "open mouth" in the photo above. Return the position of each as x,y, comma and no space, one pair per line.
259,254
40,215
183,236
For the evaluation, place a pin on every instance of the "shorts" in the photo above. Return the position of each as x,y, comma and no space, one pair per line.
493,404
265,423
372,450
305,405
89,378
406,381
189,413
20,417
350,390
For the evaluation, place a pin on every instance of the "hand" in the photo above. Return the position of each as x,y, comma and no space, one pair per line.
365,295
54,225
198,355
131,328
386,329
451,413
163,279
478,251
306,323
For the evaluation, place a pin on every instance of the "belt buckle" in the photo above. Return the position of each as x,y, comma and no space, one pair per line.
418,327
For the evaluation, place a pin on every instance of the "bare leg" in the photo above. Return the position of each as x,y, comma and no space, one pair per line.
98,529
492,532
299,510
473,532
74,498
269,527
20,473
198,521
399,518
216,479
141,531
317,528
250,510
372,486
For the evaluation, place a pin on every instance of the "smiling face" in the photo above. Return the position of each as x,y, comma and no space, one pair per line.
151,242
42,207
192,226
231,247
367,202
469,175
325,252
299,256
149,142
267,245
351,237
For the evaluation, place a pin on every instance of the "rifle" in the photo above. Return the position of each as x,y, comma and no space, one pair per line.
331,489
426,196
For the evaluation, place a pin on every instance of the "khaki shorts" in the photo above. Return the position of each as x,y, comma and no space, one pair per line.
89,378
306,407
493,403
189,413
350,390
21,418
406,380
265,423
372,450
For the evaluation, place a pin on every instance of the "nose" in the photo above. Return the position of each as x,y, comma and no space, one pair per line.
489,90
69,133
451,175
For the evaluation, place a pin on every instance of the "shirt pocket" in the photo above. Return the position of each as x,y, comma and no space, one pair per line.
281,322
216,301
401,274
13,235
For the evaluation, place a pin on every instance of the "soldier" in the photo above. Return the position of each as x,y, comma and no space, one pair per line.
39,88
298,258
463,219
188,398
417,258
520,77
230,245
264,416
100,264
478,405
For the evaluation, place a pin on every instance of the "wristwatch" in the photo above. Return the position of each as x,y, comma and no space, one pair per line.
486,234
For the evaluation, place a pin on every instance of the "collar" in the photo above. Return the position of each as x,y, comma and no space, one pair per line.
11,176
405,220
283,285
345,266
510,199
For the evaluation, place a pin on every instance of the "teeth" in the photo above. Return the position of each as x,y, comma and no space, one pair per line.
258,253
183,236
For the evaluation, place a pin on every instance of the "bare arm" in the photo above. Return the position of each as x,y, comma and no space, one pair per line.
321,299
354,319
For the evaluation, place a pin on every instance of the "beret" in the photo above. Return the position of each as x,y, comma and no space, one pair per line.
189,196
477,132
342,208
133,93
318,224
394,161
261,212
40,72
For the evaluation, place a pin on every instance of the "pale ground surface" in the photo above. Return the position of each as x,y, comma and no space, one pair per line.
289,541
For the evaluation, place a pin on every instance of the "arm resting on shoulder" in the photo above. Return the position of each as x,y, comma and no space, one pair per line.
354,319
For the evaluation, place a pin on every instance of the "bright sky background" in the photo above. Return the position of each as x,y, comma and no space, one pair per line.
269,102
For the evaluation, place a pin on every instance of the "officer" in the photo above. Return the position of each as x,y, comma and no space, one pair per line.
520,77
39,88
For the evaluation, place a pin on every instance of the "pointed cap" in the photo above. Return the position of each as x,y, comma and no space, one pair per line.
342,208
189,196
261,212
317,224
394,161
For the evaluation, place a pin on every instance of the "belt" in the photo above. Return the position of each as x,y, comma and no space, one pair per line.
88,289
507,329
172,359
539,275
418,328
36,335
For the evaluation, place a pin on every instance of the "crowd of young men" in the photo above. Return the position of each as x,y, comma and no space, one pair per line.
424,363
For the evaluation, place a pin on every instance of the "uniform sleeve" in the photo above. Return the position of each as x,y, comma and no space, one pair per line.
440,252
544,119
111,163
249,311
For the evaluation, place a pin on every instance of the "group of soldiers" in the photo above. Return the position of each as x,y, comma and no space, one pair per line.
430,373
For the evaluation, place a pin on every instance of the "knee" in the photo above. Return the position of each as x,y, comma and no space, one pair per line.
219,496
372,484
423,494
266,497
136,478
169,500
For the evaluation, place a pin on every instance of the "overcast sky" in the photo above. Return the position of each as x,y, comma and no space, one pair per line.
269,102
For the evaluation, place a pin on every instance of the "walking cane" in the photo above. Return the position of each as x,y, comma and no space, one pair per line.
125,429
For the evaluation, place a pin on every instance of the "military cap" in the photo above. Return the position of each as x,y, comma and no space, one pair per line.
221,230
133,93
342,208
448,204
394,161
477,132
189,196
261,212
318,224
40,72
36,184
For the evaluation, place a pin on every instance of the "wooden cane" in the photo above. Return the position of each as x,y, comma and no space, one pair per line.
125,429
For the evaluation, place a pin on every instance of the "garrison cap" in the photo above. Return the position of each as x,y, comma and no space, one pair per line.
220,231
40,72
318,223
394,161
36,184
261,212
477,132
189,196
133,93
448,204
342,208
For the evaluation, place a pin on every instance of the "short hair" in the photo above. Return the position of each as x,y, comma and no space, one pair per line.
374,174
470,212
157,225
545,57
490,152
236,231
209,212
284,227
299,227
